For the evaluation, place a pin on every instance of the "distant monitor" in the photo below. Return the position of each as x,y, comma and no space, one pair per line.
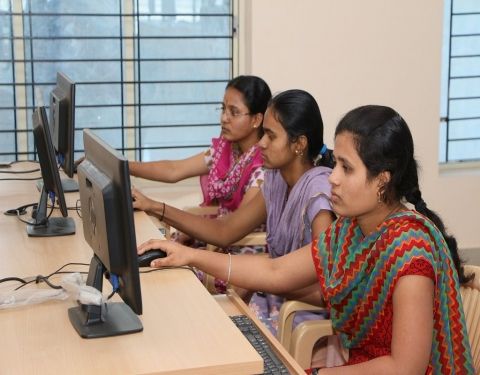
62,127
108,227
42,224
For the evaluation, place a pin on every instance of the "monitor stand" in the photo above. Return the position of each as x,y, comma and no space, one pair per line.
109,319
69,185
49,227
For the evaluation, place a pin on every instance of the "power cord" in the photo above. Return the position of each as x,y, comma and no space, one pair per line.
169,268
22,210
36,223
21,179
77,208
20,172
40,278
9,164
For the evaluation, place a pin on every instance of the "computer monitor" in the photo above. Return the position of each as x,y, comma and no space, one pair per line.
42,225
108,227
62,127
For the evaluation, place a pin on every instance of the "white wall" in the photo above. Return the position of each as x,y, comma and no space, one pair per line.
349,53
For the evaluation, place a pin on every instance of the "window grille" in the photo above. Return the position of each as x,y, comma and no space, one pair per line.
460,118
149,73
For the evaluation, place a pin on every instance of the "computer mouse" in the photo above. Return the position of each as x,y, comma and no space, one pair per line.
146,258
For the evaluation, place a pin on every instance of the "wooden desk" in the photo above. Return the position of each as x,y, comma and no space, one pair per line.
185,330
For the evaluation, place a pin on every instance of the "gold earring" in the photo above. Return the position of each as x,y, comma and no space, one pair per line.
379,196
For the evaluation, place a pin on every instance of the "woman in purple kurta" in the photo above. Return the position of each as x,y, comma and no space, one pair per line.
294,201
289,227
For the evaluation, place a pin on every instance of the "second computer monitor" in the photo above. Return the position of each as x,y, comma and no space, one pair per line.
62,126
43,225
109,229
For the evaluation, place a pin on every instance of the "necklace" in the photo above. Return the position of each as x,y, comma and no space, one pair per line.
394,210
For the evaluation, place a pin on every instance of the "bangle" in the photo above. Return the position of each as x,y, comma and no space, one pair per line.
229,267
163,212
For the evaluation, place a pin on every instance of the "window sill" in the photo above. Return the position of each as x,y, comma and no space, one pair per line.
471,168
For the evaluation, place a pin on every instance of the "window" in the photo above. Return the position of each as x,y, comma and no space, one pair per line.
460,106
149,73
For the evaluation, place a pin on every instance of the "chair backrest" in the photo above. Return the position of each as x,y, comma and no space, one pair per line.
471,307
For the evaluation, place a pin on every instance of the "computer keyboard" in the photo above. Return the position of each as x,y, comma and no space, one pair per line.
271,363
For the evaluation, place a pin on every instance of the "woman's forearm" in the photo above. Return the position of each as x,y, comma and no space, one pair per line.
220,232
155,170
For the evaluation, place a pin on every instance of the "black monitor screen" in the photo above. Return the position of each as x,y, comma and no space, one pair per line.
62,126
108,227
43,225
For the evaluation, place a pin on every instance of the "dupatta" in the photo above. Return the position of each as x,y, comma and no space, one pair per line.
358,274
229,174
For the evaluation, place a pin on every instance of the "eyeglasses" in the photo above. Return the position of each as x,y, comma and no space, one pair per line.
231,112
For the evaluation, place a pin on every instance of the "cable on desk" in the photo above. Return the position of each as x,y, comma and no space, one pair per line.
20,172
9,164
4,280
21,179
22,210
77,208
39,278
169,268
35,223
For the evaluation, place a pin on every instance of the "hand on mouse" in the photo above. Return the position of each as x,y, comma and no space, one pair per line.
177,254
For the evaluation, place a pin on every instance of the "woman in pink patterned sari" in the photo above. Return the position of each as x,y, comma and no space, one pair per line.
231,169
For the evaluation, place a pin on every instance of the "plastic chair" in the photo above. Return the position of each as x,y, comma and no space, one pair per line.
471,307
300,341
251,239
306,334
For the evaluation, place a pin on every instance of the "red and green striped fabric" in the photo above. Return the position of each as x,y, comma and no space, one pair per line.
358,275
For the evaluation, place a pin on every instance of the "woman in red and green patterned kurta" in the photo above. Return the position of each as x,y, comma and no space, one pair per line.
390,274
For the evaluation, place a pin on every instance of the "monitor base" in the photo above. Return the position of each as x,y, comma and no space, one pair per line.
119,319
69,185
55,226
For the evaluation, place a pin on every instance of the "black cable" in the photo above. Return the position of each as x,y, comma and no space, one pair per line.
21,179
23,161
20,172
79,208
12,279
22,210
111,294
9,164
41,278
36,223
169,268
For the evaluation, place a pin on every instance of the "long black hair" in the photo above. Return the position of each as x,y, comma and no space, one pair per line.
384,143
299,114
